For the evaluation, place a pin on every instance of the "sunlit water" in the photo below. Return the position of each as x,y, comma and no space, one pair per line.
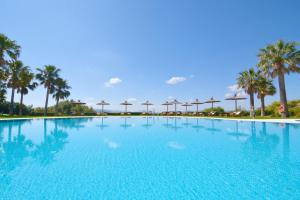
148,158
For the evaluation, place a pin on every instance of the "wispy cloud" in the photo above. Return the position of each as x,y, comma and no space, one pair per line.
113,81
234,89
175,80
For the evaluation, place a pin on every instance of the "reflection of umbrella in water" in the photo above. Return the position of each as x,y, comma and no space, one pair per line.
147,104
175,102
237,133
78,102
126,103
212,101
197,103
125,125
186,123
197,126
167,124
213,129
147,125
175,126
102,125
236,98
102,104
167,104
186,105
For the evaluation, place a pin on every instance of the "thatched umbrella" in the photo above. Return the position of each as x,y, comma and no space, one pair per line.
78,102
197,103
167,103
186,104
212,101
175,102
147,104
102,104
236,98
126,103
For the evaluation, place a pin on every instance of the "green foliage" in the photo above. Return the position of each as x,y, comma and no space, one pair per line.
216,109
294,107
66,108
4,108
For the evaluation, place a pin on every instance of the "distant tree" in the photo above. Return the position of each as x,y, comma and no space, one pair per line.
13,71
265,87
61,91
26,83
248,81
279,59
47,77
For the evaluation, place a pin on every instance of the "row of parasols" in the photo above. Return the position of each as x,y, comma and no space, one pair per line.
211,101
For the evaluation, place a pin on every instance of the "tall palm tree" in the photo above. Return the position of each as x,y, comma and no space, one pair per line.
248,81
9,51
14,69
265,87
26,83
279,59
61,90
47,77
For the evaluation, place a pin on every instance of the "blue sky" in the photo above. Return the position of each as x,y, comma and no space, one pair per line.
140,45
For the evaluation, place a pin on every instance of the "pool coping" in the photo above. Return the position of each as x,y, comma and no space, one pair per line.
290,121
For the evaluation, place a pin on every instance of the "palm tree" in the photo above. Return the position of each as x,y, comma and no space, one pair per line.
61,90
47,77
248,81
265,87
26,83
14,69
9,51
279,59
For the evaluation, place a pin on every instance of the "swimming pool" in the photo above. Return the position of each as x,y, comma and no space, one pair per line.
148,158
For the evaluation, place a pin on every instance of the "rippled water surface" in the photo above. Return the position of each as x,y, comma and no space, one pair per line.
148,158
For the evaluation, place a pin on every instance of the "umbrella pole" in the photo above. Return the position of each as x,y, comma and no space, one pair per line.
167,109
235,105
147,109
212,106
125,108
197,108
102,109
175,108
186,109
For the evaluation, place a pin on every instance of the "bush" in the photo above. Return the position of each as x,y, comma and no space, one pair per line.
216,109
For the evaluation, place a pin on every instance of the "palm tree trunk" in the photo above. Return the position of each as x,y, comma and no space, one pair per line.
251,104
46,103
283,99
11,109
21,104
262,106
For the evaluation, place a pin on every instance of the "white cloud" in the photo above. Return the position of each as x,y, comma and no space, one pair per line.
131,99
176,79
113,81
234,88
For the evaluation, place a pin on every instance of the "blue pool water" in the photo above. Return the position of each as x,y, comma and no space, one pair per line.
148,158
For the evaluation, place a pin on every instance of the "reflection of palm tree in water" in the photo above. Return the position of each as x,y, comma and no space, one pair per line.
260,147
52,144
14,151
286,142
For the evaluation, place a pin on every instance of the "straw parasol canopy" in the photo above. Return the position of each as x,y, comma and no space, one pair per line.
175,102
126,103
78,102
197,103
167,103
236,98
212,101
102,104
186,105
147,104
